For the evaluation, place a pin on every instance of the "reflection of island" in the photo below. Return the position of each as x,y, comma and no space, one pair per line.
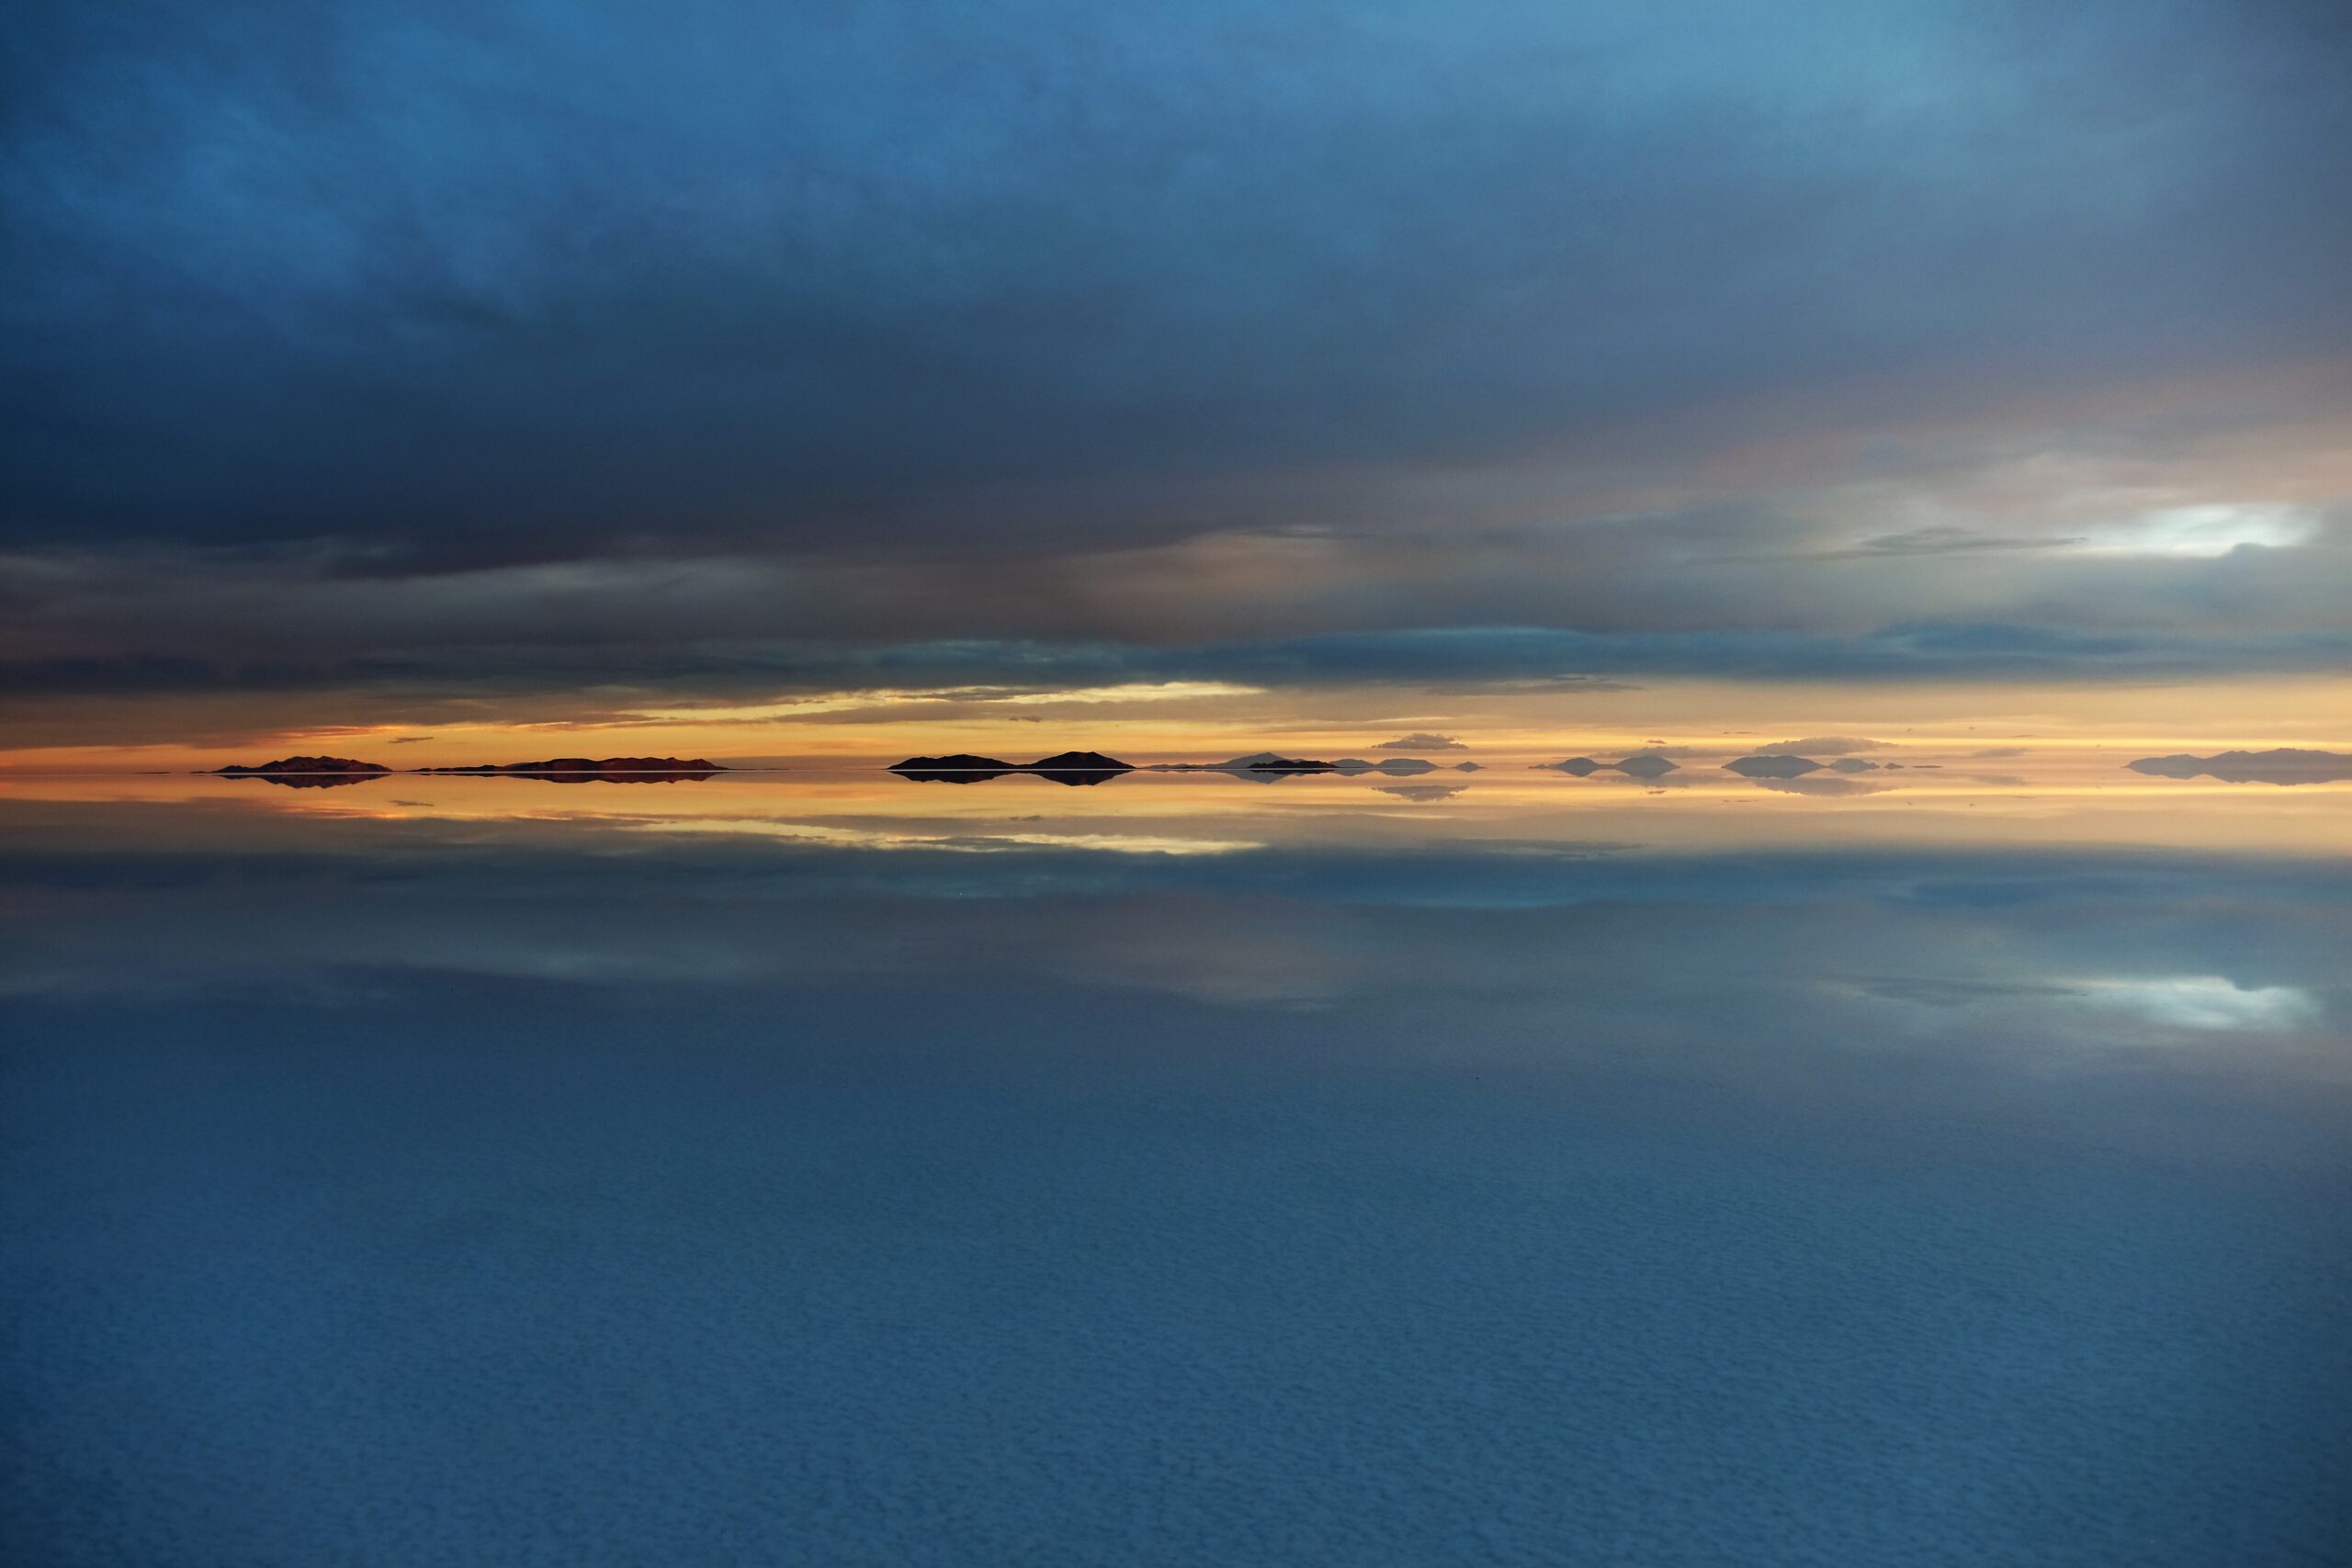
1273,764
309,772
1640,765
585,770
2285,766
1062,767
1820,786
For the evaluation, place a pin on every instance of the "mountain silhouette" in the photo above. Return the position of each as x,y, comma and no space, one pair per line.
586,769
1775,767
956,767
1646,765
1062,767
2284,765
309,772
1079,767
1266,763
1640,765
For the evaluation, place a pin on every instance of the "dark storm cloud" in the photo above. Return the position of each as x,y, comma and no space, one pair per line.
412,273
386,340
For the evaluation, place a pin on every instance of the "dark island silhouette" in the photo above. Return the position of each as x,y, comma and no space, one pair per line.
1641,766
1062,767
1264,766
322,773
1773,767
1395,767
585,770
308,772
2283,765
1267,766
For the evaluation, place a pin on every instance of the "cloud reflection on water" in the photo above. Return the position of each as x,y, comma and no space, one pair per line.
1987,946
1234,1141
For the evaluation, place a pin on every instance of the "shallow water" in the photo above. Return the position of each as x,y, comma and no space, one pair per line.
1186,1171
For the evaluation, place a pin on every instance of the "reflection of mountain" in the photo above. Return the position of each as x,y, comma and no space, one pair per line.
2285,766
586,769
316,780
1062,767
1773,767
1820,786
310,773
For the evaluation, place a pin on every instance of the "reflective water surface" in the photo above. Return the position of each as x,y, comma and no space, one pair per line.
1504,1168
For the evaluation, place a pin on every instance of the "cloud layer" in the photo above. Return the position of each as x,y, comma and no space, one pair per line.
430,338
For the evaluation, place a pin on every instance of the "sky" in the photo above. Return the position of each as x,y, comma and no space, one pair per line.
808,380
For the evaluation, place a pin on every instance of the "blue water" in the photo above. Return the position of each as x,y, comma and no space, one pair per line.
572,1196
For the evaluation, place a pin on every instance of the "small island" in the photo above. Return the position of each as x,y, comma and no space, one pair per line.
1773,766
1273,764
2281,765
581,769
963,767
1078,763
308,772
1640,765
1256,764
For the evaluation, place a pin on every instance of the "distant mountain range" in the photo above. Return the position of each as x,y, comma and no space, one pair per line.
1641,766
2284,765
307,765
1761,766
310,773
1093,767
318,771
581,769
1273,764
1062,767
1773,767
